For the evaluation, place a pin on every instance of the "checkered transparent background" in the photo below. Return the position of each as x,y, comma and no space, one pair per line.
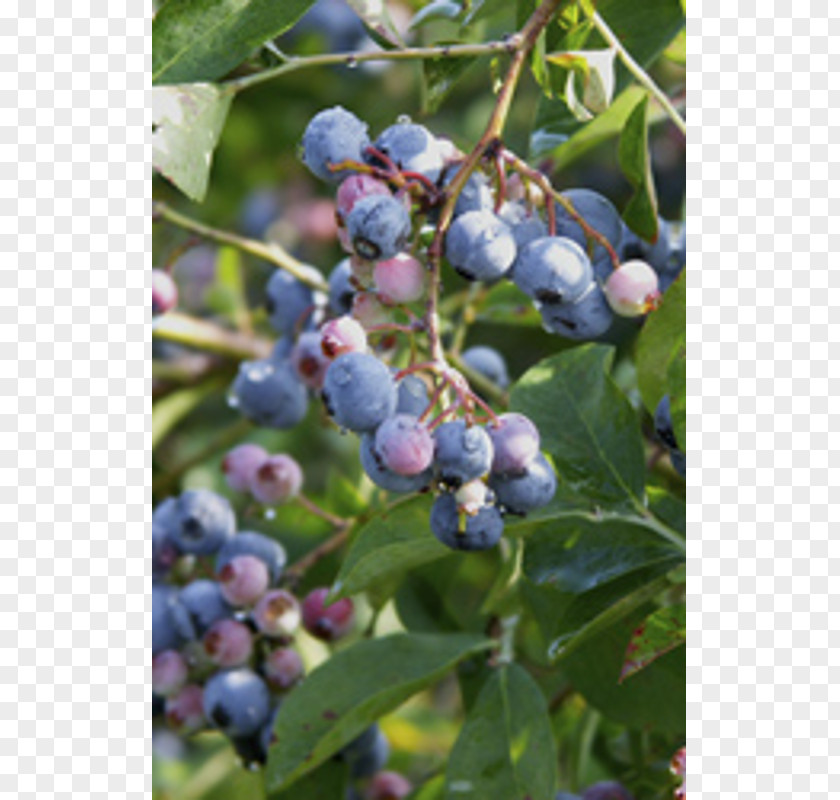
76,420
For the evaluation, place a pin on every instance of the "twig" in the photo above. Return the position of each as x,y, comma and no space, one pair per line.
207,336
314,508
335,542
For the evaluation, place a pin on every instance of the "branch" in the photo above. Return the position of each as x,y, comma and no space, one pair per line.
638,71
335,542
267,251
203,335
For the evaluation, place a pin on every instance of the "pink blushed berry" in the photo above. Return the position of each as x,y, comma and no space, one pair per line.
169,673
185,710
240,465
228,643
355,188
309,360
516,443
244,580
388,786
342,335
282,668
632,289
401,279
278,479
164,292
327,622
277,613
404,445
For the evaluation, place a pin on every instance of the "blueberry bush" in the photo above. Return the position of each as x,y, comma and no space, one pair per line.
419,441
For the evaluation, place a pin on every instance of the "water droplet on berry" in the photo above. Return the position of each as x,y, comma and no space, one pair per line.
403,119
232,399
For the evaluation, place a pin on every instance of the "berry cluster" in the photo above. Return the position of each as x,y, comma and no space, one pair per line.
223,627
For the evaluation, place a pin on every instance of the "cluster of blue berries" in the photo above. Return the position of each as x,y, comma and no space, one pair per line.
223,629
664,426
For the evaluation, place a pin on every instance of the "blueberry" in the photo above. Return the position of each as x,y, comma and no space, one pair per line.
566,796
655,253
260,208
606,790
359,392
277,480
336,22
291,304
385,478
401,279
412,396
164,552
476,194
341,289
411,147
198,606
379,227
332,136
553,269
487,362
203,522
598,212
184,710
282,349
664,425
308,359
480,246
165,635
327,622
404,445
516,443
534,488
248,543
237,702
164,516
343,335
282,668
270,394
277,614
480,531
244,580
228,643
461,453
678,462
587,318
241,464
266,734
366,762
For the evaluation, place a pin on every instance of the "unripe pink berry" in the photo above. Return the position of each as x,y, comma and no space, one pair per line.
228,643
278,479
282,668
632,289
314,220
185,710
471,497
309,360
404,444
241,464
342,335
327,622
401,279
277,613
244,580
164,292
169,672
369,310
516,443
355,188
388,786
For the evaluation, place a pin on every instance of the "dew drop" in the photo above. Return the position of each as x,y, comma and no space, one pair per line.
403,119
352,62
270,513
232,399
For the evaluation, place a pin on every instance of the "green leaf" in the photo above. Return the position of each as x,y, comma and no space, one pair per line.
227,295
641,213
506,747
654,700
202,40
485,9
676,50
186,124
439,77
662,335
353,689
394,541
670,509
329,780
374,13
587,425
505,304
660,633
675,381
431,790
436,10
170,410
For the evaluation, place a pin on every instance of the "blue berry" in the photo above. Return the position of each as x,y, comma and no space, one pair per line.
487,362
198,606
461,453
203,522
516,443
598,212
480,531
587,318
553,269
248,543
270,394
259,210
165,635
411,147
291,304
164,516
368,753
385,478
532,489
237,702
664,425
379,227
678,462
164,552
655,253
266,735
606,790
566,796
342,290
332,136
476,194
412,396
526,225
480,246
359,392
336,22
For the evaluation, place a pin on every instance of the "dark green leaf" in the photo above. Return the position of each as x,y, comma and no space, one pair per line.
440,75
431,790
329,780
391,543
505,304
202,40
186,124
676,390
670,509
663,333
506,748
587,425
660,633
169,411
655,698
641,213
485,9
353,689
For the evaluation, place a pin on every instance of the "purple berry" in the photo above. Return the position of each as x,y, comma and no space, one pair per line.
354,188
327,622
248,543
388,786
277,480
185,710
516,443
384,478
404,444
164,292
244,580
169,673
342,335
401,279
198,606
309,360
282,668
228,643
240,465
277,613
